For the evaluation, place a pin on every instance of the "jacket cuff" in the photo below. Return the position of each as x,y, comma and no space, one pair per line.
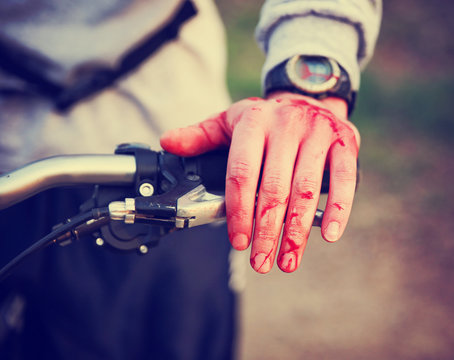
313,35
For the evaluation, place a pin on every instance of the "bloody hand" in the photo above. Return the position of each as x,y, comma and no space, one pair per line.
294,137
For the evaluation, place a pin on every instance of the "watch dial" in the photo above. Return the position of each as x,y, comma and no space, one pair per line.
314,70
313,74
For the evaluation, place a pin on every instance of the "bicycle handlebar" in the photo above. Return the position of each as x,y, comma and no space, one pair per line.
118,169
65,170
181,183
134,186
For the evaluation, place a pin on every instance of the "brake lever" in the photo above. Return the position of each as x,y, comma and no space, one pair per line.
194,208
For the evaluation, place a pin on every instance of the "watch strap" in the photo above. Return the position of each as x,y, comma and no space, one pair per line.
277,79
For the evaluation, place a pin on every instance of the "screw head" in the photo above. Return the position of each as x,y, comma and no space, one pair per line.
143,249
146,189
193,177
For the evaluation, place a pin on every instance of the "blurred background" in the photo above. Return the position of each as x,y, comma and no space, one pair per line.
385,291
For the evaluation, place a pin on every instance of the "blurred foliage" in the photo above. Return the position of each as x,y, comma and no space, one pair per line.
407,87
416,38
413,107
244,57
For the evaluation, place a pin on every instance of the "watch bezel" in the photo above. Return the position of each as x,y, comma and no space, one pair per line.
307,86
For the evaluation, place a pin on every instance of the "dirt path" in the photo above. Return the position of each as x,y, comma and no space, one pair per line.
386,290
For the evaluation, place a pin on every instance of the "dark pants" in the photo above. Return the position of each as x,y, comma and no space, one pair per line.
85,302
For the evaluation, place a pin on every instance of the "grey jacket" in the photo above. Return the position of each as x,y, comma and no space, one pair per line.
345,30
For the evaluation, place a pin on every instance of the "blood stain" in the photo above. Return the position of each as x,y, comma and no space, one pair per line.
307,195
292,216
292,245
223,115
254,260
299,102
340,142
266,209
338,207
288,267
208,136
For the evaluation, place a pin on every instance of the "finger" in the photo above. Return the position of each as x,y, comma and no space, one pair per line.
343,159
243,170
197,139
304,198
282,148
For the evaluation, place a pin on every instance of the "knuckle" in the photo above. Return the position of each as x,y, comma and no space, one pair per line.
323,123
296,235
238,214
324,117
273,189
267,239
294,230
346,132
252,116
302,206
345,173
306,187
240,173
352,140
289,112
291,118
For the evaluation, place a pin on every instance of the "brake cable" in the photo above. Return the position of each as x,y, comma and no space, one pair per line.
57,234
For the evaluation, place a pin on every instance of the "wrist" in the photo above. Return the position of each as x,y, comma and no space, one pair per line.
310,35
338,106
314,76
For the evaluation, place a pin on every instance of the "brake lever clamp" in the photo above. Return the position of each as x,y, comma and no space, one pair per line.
167,195
188,204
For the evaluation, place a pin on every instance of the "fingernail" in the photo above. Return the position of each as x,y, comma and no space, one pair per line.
288,262
240,242
332,231
261,263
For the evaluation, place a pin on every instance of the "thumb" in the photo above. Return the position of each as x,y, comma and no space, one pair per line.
198,139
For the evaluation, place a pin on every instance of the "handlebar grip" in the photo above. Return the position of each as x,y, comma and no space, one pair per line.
212,167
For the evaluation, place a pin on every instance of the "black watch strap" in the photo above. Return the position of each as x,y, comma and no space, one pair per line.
279,79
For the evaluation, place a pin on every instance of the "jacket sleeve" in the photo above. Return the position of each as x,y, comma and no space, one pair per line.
345,30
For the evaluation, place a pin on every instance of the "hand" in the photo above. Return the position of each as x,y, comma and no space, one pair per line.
295,137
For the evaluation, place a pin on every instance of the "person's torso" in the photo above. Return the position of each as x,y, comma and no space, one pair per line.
70,33
181,83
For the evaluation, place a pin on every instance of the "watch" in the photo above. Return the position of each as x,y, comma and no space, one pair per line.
315,76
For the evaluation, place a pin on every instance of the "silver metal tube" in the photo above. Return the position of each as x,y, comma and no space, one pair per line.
35,177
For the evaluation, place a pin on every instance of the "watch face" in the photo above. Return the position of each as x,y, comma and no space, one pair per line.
313,74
